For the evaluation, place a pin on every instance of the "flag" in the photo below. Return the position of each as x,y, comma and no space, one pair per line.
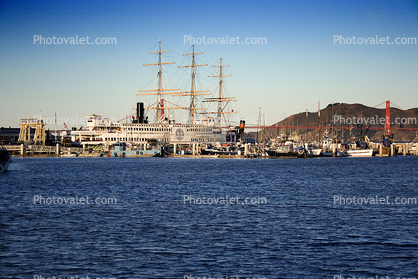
65,125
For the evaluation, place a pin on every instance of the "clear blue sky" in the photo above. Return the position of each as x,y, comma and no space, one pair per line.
299,65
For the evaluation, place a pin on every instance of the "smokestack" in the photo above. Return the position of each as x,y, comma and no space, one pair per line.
140,112
241,128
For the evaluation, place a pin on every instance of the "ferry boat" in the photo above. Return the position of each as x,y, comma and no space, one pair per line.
104,131
139,133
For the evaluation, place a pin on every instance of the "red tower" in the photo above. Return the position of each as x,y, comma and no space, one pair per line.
161,116
387,125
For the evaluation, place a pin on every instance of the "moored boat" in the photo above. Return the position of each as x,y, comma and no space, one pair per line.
5,159
221,150
330,154
120,150
285,151
315,152
359,153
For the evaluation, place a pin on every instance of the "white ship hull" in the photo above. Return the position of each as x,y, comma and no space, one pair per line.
142,133
359,153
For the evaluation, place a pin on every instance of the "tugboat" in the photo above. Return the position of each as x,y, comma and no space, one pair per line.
5,159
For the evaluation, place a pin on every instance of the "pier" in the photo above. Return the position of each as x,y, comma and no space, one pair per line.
250,151
40,150
33,150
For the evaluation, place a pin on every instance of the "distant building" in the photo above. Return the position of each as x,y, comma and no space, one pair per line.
11,135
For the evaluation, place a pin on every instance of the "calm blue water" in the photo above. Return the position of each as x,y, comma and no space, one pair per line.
152,233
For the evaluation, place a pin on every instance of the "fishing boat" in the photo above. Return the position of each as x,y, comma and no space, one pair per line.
329,153
286,151
221,150
5,159
359,149
315,152
359,153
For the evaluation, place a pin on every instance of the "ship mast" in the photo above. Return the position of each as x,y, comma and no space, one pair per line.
193,92
160,91
319,122
221,99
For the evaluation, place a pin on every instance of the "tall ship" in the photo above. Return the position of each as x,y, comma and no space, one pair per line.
139,134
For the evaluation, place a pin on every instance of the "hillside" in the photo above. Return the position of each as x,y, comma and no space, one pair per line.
351,119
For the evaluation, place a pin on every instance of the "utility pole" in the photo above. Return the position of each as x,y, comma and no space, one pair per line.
258,121
55,122
306,137
319,122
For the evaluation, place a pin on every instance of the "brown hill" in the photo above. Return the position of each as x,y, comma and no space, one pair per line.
349,120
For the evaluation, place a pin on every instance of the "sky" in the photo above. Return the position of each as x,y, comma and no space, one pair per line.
299,61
